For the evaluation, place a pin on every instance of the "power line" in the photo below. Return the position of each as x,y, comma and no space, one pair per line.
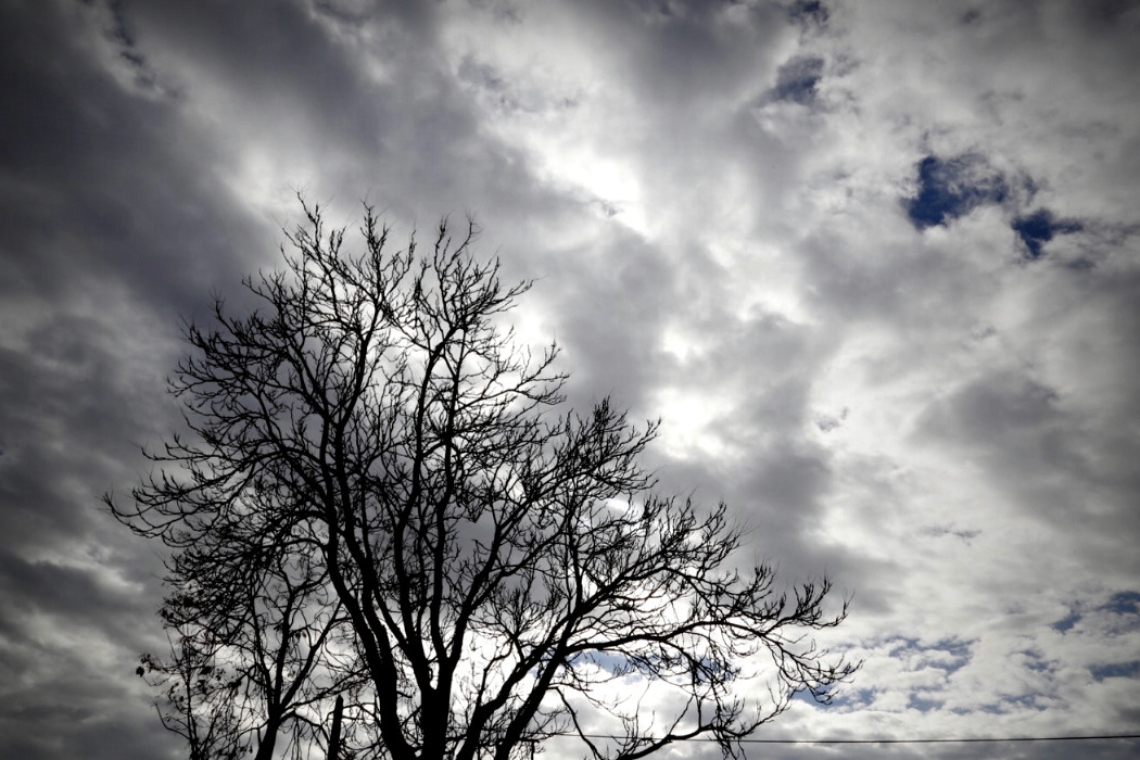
962,740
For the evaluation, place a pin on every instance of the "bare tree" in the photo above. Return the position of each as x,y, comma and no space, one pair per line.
378,502
253,629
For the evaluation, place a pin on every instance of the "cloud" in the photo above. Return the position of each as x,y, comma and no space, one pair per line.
874,267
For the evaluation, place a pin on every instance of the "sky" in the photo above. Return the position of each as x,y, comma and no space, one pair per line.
874,265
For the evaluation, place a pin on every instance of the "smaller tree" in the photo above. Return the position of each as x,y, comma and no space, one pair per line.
253,653
377,506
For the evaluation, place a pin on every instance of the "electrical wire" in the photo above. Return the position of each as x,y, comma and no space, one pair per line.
963,740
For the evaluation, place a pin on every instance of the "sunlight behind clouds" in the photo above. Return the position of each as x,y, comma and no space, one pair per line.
561,105
694,420
876,267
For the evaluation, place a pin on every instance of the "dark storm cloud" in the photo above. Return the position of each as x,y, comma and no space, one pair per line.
81,414
125,126
68,596
115,221
96,189
76,599
995,406
1053,465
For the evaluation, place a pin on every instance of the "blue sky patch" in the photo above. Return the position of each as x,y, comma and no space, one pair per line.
1010,703
949,655
1116,670
1067,622
1039,228
854,698
797,81
924,703
1124,603
809,12
1035,663
951,188
904,645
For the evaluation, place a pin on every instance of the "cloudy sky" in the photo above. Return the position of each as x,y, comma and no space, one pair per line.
875,265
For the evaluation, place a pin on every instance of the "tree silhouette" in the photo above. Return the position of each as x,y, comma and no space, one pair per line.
377,502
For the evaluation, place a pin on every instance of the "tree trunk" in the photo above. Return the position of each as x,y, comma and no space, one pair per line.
334,738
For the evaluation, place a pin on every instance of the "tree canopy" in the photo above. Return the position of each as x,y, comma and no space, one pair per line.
380,498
